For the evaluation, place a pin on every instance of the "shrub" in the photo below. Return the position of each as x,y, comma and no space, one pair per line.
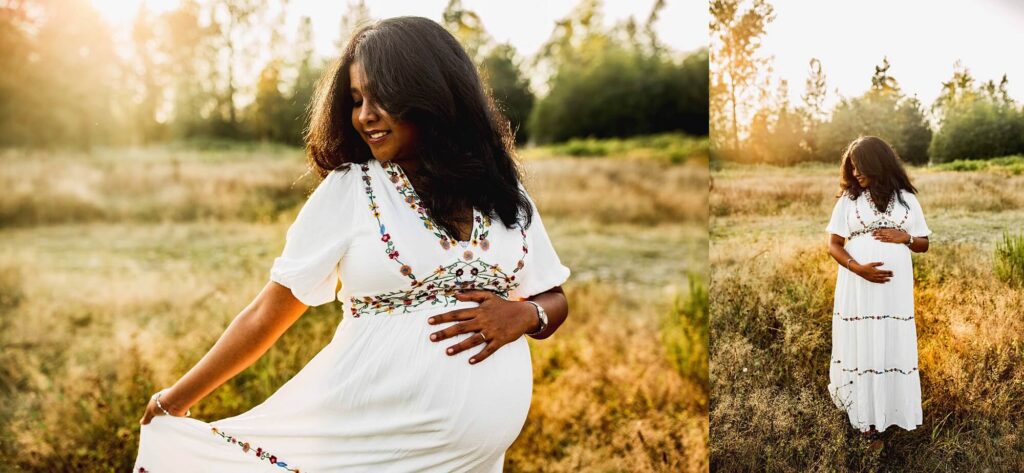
979,130
1009,259
684,332
624,93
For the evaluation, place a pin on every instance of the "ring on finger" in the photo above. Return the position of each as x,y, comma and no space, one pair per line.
482,336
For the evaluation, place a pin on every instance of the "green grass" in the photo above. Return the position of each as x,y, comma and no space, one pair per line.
670,147
1008,164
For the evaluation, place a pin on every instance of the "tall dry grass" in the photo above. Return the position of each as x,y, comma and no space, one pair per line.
771,304
119,270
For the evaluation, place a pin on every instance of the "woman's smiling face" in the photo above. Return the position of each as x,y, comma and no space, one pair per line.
389,139
862,180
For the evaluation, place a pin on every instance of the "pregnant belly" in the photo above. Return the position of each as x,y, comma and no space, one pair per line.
858,297
866,249
392,375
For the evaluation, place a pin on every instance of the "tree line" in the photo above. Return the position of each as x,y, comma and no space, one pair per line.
754,121
225,69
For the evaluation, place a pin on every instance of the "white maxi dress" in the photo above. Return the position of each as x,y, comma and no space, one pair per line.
380,396
873,374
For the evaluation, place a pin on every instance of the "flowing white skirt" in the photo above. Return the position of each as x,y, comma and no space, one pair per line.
379,397
873,373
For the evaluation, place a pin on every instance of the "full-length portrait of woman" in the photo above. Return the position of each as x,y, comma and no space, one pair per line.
422,229
876,224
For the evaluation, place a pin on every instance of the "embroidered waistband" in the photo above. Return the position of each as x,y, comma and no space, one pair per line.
870,228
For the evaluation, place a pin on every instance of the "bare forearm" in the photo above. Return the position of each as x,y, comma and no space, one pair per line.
253,331
919,245
840,254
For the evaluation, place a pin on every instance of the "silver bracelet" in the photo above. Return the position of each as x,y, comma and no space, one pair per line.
542,316
156,397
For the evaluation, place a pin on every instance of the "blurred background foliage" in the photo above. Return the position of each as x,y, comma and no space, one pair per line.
754,121
196,72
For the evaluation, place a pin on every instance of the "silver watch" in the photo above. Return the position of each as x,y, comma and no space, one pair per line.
910,241
543,316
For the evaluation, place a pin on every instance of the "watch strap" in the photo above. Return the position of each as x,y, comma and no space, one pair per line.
542,316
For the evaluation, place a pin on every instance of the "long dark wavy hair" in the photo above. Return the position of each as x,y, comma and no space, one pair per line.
877,160
419,73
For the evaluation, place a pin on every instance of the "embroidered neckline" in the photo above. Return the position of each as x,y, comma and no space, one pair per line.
888,206
882,220
481,223
468,271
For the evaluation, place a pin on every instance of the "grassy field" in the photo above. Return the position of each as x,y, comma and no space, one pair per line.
120,268
771,300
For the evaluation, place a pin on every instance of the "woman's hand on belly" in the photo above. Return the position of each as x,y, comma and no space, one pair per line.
871,272
496,322
891,235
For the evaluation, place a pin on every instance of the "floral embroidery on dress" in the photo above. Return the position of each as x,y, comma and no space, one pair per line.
873,317
246,448
884,220
440,286
481,224
389,244
861,372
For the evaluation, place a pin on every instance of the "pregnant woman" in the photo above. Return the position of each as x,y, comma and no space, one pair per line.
443,263
876,224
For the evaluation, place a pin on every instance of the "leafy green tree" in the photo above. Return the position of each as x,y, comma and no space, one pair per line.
976,122
357,15
813,107
267,114
307,71
735,39
882,111
189,63
75,48
603,84
467,27
501,72
777,131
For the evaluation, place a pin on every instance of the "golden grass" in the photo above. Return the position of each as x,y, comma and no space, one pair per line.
120,269
771,301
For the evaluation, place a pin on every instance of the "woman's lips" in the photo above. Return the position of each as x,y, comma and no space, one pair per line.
377,137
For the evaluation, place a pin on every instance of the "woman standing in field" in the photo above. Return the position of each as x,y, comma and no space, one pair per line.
421,211
876,224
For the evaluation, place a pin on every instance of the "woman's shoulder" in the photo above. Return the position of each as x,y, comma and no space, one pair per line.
344,176
338,184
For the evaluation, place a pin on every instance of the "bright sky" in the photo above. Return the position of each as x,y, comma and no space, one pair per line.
922,39
683,24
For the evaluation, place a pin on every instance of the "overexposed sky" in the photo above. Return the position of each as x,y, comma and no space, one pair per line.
921,38
525,23
683,24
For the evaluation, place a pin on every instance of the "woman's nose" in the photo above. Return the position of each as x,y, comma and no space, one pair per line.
367,114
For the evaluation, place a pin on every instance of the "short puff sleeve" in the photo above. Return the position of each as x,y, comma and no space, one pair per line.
917,227
317,240
542,268
838,224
